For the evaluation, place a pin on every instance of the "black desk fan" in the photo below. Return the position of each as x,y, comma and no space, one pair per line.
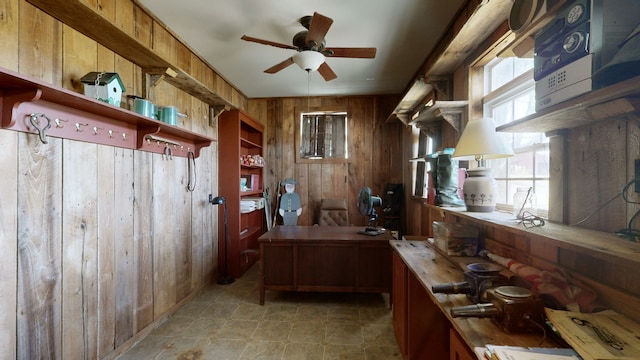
366,206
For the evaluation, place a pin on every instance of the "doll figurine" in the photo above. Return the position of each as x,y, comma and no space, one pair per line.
290,207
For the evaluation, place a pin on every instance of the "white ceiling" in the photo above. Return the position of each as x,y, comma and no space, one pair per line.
403,31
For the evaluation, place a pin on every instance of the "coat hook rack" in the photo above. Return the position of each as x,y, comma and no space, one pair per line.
161,139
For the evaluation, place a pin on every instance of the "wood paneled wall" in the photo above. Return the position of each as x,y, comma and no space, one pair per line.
375,151
98,242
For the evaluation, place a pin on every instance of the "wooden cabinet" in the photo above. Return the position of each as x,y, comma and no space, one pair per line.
421,329
424,326
427,326
240,136
399,303
458,350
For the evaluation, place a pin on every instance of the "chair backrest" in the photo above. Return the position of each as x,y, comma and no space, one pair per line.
333,212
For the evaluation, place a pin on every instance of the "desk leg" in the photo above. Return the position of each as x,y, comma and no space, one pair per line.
261,276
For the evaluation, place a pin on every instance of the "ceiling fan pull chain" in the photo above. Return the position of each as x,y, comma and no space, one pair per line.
308,91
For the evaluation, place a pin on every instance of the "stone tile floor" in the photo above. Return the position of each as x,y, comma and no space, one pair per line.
226,322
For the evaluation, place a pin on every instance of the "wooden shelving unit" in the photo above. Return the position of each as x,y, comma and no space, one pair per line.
239,134
35,107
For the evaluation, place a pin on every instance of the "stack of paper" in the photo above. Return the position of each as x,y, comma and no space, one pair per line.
247,206
259,201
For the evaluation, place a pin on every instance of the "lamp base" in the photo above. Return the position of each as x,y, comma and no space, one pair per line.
225,280
480,190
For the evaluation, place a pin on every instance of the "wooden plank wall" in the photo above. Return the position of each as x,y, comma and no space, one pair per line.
375,151
98,242
600,161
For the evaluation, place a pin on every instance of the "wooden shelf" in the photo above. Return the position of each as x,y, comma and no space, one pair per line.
474,21
27,104
81,17
250,144
449,111
615,100
617,249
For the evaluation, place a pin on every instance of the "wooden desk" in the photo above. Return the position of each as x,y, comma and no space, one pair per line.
324,258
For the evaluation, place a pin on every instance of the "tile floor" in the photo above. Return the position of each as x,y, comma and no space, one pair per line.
226,322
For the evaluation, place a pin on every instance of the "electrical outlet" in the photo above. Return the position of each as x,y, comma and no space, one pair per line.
210,198
637,175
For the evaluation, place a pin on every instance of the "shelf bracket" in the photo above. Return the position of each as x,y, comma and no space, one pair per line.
450,111
215,111
156,76
442,84
405,118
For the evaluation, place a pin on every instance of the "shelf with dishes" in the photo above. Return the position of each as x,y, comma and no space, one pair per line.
35,107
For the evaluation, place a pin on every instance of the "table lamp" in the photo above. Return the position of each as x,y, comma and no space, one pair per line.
479,142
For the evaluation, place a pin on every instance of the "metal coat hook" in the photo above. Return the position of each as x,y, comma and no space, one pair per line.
95,130
111,132
168,153
191,167
34,118
58,121
78,125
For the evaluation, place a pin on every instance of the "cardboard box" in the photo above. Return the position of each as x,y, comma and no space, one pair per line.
456,239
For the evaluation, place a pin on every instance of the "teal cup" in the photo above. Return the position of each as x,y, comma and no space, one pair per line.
143,107
169,115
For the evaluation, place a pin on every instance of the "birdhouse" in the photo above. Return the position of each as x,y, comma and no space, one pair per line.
103,86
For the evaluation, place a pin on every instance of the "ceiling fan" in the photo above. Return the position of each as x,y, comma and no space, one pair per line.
310,45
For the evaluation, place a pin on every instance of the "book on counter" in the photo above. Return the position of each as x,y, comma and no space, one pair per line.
605,335
495,352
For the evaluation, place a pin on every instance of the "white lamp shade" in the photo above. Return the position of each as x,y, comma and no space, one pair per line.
479,140
308,60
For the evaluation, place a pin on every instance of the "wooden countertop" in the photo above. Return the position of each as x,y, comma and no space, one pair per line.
431,268
320,233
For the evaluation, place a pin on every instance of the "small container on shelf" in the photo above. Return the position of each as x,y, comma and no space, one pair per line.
456,239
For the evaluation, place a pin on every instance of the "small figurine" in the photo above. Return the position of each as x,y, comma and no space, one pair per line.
290,207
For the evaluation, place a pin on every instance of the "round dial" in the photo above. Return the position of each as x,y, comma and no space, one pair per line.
574,14
572,42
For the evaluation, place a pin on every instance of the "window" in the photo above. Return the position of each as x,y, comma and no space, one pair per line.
509,94
420,166
322,136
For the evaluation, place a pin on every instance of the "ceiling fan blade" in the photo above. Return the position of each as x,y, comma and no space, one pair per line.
326,72
275,68
363,53
267,42
320,24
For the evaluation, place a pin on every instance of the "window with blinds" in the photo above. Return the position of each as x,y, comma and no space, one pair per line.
323,136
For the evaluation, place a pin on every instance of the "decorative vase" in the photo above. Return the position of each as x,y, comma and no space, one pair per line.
480,190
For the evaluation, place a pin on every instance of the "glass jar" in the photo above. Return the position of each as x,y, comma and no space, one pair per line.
524,203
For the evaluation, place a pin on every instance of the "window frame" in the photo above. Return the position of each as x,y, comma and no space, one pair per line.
518,86
298,113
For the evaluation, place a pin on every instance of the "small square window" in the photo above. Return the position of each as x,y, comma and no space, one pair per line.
322,136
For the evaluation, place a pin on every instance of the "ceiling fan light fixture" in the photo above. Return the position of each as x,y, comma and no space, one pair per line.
308,60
